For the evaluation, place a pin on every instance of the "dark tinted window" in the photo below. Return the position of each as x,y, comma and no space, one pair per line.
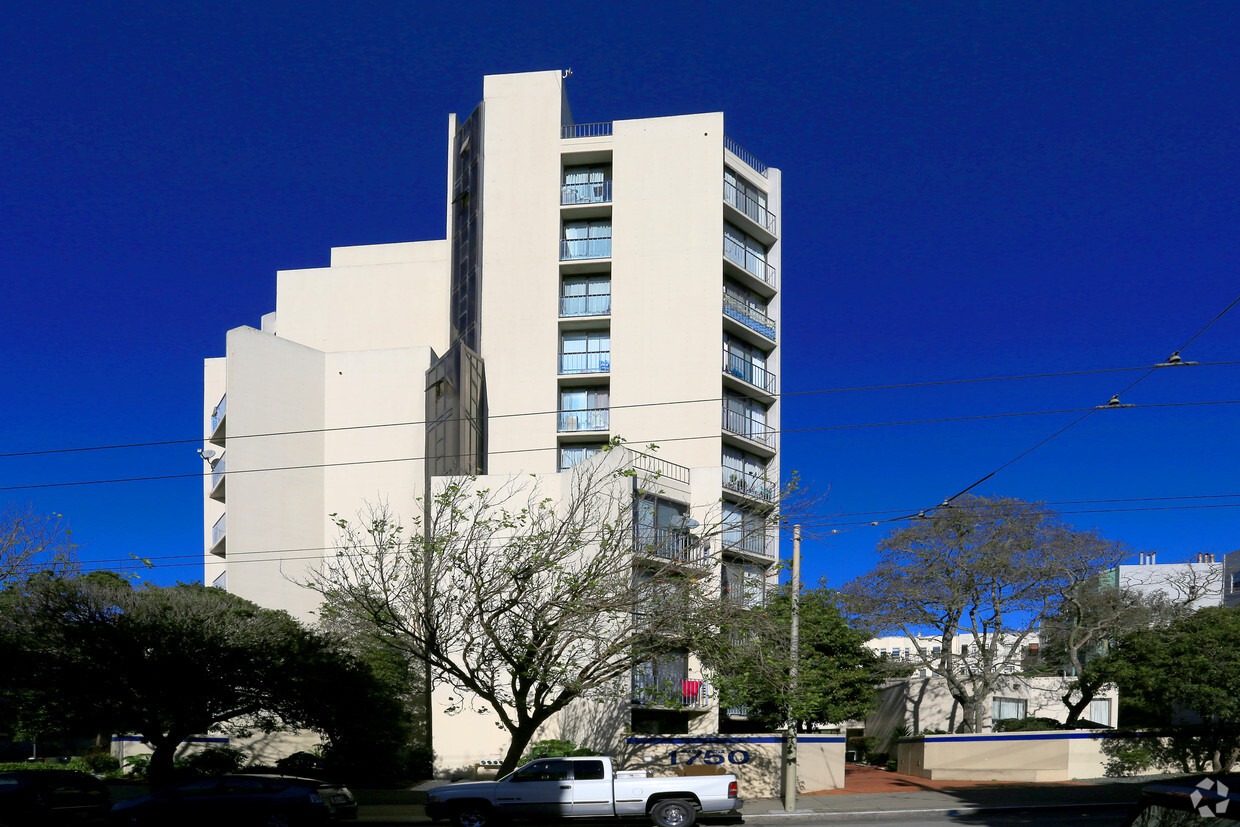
588,770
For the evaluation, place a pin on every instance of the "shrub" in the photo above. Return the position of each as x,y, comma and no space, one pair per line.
213,761
101,761
137,766
301,763
892,764
1032,724
1129,756
554,749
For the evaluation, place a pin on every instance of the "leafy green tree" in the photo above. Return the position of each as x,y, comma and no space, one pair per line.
1185,676
982,571
169,663
751,661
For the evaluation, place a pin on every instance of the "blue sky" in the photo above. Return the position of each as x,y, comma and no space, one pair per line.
972,190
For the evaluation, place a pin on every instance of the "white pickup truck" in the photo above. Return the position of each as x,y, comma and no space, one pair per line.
583,787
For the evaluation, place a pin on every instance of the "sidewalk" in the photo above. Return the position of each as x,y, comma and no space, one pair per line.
867,790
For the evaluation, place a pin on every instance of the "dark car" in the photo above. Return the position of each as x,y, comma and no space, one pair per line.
41,798
235,800
1205,801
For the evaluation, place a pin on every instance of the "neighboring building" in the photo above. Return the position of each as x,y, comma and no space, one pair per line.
1198,583
1231,579
595,281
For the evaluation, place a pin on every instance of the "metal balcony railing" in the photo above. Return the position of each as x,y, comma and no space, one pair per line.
756,487
736,149
594,193
749,539
660,467
737,422
585,305
747,260
217,413
751,317
217,472
598,362
675,691
592,419
589,130
572,249
734,364
219,530
748,205
672,545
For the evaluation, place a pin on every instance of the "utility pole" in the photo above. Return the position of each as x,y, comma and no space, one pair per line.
790,765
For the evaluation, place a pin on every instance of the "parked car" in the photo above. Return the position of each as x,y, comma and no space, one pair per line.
584,787
236,800
41,798
1200,802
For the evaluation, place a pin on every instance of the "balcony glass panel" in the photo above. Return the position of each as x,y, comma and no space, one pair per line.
586,239
585,296
219,530
585,352
570,455
586,185
748,315
587,420
217,413
217,472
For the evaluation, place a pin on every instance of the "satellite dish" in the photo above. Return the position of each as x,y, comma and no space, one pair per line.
206,453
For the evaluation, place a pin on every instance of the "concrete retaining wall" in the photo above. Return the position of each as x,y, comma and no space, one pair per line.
756,760
1003,756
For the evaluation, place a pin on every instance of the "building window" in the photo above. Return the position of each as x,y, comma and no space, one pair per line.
586,185
585,351
570,455
584,409
748,308
747,199
746,474
1235,581
747,363
746,417
585,295
1003,709
747,253
1100,711
743,584
586,239
743,530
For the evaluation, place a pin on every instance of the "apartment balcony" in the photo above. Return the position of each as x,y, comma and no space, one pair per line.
571,306
666,691
749,263
217,478
217,420
756,433
747,210
660,468
581,249
754,376
585,130
737,150
598,192
219,533
590,420
754,488
668,545
577,363
750,541
750,317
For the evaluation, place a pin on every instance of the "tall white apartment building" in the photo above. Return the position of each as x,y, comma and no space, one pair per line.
596,281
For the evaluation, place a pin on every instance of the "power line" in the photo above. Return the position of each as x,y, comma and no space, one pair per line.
784,394
714,435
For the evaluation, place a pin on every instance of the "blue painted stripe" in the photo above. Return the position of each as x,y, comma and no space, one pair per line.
1014,736
205,739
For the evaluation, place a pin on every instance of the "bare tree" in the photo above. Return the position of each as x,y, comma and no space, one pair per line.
982,571
525,598
31,543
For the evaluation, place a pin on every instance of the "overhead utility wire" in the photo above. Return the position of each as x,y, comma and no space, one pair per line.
784,394
1174,360
311,553
714,435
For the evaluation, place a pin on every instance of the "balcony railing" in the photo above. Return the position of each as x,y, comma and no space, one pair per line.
595,193
672,545
593,419
743,257
585,305
736,149
756,487
217,472
219,530
590,130
217,413
737,365
751,317
675,691
748,205
749,539
599,362
572,249
661,467
736,422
